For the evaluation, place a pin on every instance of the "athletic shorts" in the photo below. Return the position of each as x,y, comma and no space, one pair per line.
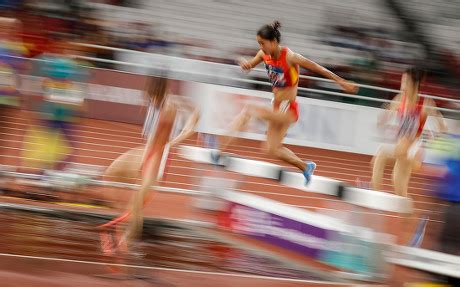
413,151
285,106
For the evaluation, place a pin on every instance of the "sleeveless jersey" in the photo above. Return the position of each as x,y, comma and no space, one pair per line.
281,75
411,120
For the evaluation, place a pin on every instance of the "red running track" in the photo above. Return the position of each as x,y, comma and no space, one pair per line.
100,142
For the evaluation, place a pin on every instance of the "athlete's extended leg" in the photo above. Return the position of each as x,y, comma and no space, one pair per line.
403,166
126,168
274,147
378,167
238,125
150,171
278,125
255,111
151,161
401,176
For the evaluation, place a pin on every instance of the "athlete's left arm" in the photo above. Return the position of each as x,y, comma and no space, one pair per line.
430,109
297,59
189,127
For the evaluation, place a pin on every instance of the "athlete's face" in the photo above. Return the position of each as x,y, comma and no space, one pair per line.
267,46
408,86
403,82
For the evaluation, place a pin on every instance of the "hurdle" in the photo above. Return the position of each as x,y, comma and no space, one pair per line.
376,200
425,260
372,199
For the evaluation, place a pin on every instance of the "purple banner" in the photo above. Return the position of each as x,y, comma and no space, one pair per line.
294,235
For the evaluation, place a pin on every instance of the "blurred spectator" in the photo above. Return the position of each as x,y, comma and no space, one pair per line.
63,94
11,49
371,52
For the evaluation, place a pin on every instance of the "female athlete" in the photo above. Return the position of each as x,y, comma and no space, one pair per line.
282,67
145,163
126,168
411,111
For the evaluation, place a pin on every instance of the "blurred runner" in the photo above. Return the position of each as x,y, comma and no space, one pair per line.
159,127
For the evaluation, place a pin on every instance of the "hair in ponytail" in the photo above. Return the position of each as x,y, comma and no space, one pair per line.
270,31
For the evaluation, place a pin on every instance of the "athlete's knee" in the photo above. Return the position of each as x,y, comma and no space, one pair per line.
113,168
121,171
402,148
401,153
112,173
386,151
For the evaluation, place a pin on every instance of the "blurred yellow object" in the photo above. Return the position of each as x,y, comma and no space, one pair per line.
426,284
43,147
78,204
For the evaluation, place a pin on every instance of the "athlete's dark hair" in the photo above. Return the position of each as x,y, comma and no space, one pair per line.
416,74
270,31
157,88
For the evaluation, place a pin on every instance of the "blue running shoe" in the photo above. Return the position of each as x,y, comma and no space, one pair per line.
308,172
215,156
417,239
211,142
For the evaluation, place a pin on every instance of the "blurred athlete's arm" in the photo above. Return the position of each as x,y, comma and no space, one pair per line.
189,128
248,65
430,108
297,59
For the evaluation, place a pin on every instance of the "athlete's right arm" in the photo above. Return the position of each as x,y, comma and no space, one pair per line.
430,107
248,65
390,108
394,104
190,126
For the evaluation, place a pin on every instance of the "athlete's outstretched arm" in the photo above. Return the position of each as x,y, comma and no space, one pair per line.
430,107
190,125
297,59
389,109
248,65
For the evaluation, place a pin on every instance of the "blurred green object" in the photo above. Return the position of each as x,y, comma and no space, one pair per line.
11,101
445,146
8,91
352,256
